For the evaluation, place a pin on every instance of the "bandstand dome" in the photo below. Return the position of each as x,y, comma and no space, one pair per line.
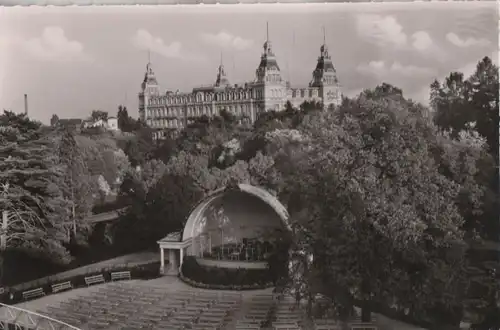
195,220
240,224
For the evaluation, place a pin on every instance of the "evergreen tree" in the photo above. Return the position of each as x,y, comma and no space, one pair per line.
34,210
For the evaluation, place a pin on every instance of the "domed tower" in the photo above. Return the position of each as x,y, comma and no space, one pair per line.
149,88
270,86
325,78
222,80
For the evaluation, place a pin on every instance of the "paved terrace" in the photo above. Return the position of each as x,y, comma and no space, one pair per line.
168,303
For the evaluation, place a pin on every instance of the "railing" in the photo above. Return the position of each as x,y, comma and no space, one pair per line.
22,319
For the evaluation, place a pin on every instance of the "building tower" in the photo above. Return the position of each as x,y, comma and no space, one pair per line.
149,89
270,86
222,80
325,78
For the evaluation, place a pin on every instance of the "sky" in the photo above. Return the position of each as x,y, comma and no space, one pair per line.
72,60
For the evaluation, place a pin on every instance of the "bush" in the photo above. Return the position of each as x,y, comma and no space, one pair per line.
223,278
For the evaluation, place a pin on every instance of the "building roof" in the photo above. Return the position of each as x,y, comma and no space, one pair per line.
172,237
268,63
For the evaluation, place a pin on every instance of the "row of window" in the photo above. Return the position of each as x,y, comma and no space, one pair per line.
304,92
166,123
238,109
208,97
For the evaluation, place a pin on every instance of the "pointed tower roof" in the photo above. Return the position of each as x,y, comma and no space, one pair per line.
324,60
324,64
149,75
149,83
222,79
268,59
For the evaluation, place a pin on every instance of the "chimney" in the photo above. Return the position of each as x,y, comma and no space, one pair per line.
26,104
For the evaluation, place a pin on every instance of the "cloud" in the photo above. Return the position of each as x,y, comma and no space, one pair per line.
226,40
422,41
469,42
387,31
144,40
383,30
379,68
52,45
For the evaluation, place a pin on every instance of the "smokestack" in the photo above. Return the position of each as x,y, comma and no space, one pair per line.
26,104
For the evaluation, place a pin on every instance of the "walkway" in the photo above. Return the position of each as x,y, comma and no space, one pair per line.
129,260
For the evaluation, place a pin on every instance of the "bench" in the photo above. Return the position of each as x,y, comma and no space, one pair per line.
286,326
363,326
327,327
121,276
96,279
61,286
33,293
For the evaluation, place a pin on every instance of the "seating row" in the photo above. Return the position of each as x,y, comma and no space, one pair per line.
123,305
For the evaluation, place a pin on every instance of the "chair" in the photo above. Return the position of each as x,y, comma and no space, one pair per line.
236,253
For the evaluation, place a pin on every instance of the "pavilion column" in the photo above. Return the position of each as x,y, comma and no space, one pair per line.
162,261
173,260
181,255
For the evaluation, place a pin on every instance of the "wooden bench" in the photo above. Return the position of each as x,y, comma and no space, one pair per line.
327,327
96,279
33,293
286,326
116,276
363,326
61,286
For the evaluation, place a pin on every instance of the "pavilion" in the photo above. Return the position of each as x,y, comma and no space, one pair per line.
232,227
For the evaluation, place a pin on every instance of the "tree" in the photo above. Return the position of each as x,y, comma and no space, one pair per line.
469,103
370,202
159,203
78,187
34,209
54,120
125,122
99,115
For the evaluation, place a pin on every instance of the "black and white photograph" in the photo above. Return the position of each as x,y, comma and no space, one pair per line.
316,166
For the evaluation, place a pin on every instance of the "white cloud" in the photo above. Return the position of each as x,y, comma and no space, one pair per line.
379,68
226,40
382,29
469,42
422,41
144,40
52,45
387,31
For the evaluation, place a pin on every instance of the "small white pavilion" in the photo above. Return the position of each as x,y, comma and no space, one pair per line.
248,211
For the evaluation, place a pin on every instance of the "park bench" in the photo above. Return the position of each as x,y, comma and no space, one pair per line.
288,326
33,293
61,286
363,326
327,327
243,326
96,279
116,276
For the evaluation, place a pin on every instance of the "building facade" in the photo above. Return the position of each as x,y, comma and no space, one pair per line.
267,92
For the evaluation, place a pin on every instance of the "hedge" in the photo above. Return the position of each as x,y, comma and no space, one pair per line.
223,278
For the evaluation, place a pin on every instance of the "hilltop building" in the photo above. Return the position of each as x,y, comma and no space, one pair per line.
268,91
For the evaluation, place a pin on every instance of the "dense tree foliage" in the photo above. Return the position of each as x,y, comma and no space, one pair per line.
32,202
99,115
78,186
